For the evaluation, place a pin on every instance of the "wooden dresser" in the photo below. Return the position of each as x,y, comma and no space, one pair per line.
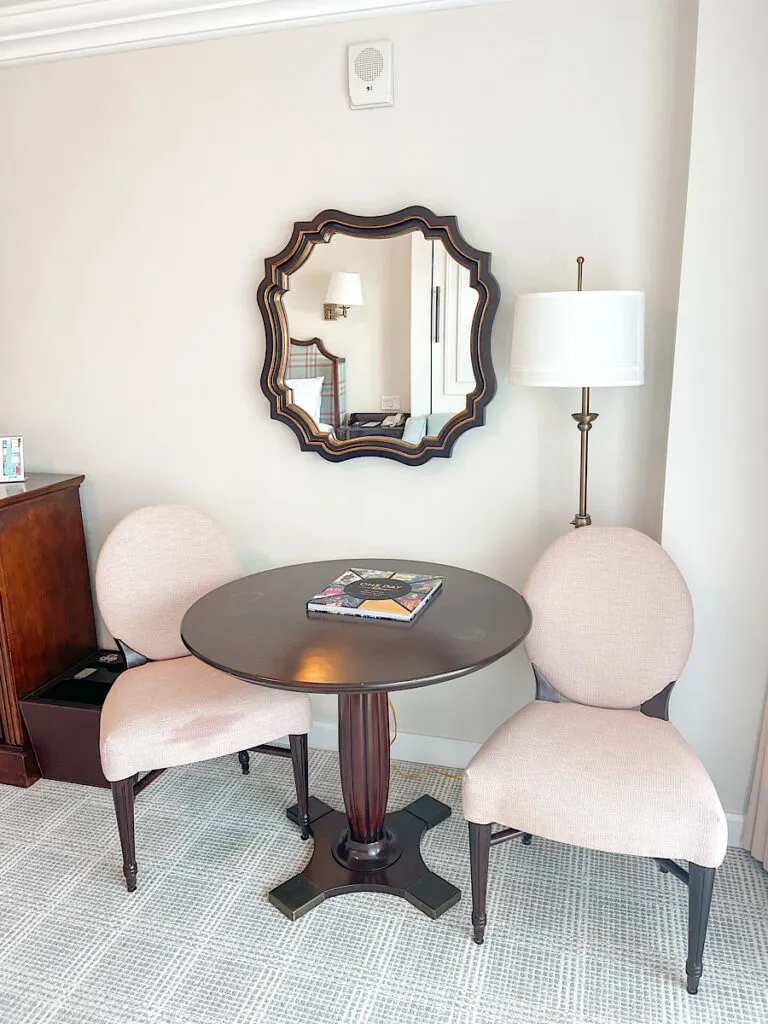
46,609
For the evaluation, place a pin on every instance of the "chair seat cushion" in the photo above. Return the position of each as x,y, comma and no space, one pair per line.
167,713
609,780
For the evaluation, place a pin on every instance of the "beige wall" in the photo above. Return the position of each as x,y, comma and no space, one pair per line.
717,482
374,338
140,193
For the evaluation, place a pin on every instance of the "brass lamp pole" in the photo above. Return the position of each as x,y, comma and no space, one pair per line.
584,421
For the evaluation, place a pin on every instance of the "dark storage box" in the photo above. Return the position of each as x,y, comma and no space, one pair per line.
62,719
356,420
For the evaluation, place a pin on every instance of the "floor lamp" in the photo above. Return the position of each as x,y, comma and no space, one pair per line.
578,340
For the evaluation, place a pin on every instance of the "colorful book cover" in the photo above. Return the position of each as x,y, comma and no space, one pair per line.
377,594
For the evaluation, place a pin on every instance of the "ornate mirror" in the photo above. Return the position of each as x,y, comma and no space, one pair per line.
378,335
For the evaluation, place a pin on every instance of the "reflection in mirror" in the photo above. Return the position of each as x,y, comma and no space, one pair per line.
380,337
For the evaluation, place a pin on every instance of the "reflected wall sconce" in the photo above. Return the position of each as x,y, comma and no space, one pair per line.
344,290
579,339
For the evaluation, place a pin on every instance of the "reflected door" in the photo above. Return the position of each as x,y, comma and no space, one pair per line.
453,306
443,305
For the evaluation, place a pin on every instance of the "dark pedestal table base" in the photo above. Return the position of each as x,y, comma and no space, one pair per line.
333,869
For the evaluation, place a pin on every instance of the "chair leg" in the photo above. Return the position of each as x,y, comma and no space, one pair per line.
245,761
479,853
123,796
700,883
300,761
526,840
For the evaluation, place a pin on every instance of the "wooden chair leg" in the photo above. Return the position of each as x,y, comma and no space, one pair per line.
479,853
245,761
700,883
123,796
300,761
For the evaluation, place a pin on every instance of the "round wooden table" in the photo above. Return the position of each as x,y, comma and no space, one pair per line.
258,629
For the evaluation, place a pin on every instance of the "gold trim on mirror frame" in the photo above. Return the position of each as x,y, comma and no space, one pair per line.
306,234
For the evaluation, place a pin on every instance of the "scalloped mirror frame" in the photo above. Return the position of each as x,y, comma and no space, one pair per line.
307,234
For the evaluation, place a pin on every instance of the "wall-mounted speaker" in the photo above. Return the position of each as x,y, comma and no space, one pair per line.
371,77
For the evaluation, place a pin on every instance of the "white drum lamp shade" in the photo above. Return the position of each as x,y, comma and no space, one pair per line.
344,289
580,339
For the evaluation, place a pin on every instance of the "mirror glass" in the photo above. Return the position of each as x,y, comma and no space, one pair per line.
380,337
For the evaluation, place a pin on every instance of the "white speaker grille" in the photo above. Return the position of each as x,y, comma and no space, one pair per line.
369,64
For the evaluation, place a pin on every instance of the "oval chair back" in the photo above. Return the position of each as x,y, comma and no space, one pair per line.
154,564
612,617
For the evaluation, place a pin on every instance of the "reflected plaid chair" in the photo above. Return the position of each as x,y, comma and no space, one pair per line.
312,359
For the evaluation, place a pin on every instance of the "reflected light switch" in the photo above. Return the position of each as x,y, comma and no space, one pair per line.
390,403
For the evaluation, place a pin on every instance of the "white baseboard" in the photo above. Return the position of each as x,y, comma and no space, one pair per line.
448,753
407,747
735,826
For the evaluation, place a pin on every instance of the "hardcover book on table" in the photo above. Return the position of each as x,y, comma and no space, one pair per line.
377,594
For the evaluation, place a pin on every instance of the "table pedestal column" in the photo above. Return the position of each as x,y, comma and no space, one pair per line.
367,849
364,763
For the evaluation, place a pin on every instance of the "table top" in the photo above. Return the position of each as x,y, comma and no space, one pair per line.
258,628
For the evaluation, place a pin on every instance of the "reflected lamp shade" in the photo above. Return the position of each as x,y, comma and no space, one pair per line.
344,289
578,339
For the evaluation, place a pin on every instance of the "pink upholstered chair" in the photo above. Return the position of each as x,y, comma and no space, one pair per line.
604,768
168,708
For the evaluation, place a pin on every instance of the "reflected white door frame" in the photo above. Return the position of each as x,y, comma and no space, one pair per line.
421,324
442,307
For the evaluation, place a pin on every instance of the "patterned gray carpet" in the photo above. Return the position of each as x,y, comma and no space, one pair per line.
574,937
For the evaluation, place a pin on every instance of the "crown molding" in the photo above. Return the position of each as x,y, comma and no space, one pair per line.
40,30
